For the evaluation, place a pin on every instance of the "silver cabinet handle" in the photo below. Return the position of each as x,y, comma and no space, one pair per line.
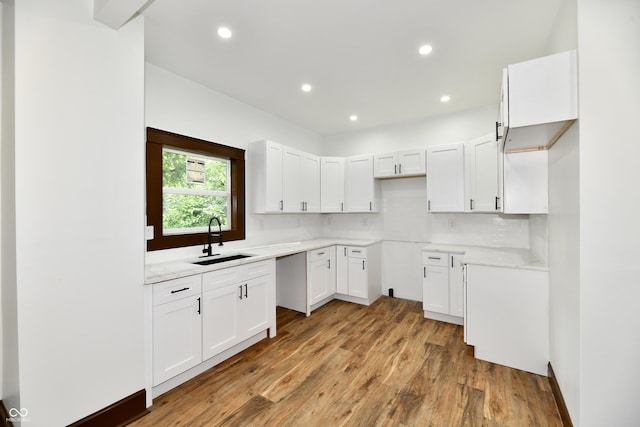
329,265
345,251
435,257
199,306
395,169
281,205
370,206
320,253
400,168
470,204
175,291
341,206
356,252
363,264
428,205
246,291
240,291
424,272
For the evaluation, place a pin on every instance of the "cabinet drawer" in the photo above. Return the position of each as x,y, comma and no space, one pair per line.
173,290
320,254
435,258
260,268
220,278
357,252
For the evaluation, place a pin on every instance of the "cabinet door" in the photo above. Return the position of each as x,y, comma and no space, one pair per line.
411,162
291,182
445,178
456,286
319,280
360,194
385,165
177,340
220,320
358,285
435,289
483,174
310,179
342,270
332,184
253,308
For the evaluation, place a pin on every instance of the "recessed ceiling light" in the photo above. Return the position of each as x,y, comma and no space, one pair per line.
306,87
425,49
224,32
353,117
445,98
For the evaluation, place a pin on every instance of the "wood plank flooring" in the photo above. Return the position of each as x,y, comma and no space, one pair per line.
350,365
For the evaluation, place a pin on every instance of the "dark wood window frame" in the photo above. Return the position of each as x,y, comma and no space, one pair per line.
156,140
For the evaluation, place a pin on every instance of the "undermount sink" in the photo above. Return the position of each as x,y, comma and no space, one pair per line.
218,259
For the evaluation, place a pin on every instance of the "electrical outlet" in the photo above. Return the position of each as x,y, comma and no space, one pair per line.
148,232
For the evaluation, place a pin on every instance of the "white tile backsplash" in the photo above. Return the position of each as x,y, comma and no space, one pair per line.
404,218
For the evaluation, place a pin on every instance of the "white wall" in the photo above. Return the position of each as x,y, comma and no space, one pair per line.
181,106
79,151
609,104
564,267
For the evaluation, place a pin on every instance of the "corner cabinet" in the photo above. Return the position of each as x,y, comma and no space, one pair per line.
443,287
198,317
362,191
446,178
399,164
358,273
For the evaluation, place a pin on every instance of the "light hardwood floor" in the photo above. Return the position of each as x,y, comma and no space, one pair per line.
350,365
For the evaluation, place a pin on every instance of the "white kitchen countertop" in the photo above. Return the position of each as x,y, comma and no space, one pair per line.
162,271
496,257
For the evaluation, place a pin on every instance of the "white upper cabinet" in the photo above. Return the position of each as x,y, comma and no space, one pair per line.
539,101
446,178
291,181
483,175
332,184
362,190
399,164
300,181
283,179
310,178
266,176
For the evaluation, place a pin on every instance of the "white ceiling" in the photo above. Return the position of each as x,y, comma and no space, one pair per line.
359,55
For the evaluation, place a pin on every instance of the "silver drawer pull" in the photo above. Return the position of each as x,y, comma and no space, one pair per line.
320,253
435,257
356,252
175,291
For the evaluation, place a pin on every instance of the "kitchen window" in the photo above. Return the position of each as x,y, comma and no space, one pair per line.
189,181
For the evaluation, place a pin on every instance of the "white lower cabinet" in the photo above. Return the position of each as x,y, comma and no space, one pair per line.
177,326
507,316
201,316
358,273
442,287
321,275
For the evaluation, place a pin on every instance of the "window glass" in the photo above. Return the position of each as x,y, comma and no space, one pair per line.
195,188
